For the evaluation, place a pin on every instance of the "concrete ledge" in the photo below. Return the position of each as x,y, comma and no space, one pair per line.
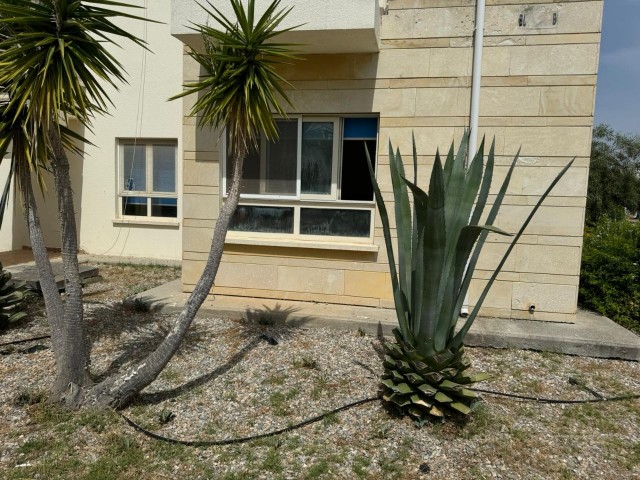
592,335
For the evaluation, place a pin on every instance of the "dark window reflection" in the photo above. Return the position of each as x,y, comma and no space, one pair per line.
335,222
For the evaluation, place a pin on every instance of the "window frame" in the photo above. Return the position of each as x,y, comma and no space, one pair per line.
149,193
301,200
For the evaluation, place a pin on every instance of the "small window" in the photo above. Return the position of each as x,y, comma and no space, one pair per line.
148,178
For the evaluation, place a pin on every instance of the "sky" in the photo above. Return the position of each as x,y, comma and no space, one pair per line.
618,91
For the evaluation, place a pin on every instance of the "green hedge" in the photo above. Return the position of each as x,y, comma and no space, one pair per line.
610,277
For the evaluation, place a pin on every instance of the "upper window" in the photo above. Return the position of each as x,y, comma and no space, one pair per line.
148,178
313,180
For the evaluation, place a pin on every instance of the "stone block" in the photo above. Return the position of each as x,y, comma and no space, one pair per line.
394,103
548,259
567,101
195,139
204,207
311,280
443,22
450,62
201,173
442,102
562,221
191,271
545,297
496,61
491,256
366,284
510,101
549,141
319,67
574,59
398,24
197,239
573,17
247,275
499,295
400,63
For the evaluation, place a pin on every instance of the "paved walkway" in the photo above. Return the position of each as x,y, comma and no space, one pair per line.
28,273
592,335
24,255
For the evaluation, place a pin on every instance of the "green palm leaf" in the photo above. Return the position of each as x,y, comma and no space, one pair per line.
241,88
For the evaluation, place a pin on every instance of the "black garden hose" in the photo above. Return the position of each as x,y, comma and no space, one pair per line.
26,340
235,441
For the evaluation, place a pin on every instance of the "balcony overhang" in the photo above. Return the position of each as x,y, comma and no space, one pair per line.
325,26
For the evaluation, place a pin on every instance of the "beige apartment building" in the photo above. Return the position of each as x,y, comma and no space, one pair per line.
307,228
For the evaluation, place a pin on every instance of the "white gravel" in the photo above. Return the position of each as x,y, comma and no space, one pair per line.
226,382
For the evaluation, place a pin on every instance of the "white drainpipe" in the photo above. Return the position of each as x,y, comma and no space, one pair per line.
476,79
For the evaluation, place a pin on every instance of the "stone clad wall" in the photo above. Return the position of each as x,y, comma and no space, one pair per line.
538,93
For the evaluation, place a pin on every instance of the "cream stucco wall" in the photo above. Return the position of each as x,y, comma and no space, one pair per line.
141,109
538,93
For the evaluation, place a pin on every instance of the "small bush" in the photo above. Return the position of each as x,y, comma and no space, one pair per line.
12,300
610,277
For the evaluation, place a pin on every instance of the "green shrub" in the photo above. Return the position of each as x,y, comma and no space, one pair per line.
610,277
11,300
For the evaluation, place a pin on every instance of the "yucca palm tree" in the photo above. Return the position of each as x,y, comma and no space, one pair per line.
54,65
440,239
240,91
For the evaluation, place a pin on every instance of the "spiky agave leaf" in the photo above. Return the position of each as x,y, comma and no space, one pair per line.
439,240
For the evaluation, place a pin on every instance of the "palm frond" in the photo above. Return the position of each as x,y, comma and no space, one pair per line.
241,89
55,60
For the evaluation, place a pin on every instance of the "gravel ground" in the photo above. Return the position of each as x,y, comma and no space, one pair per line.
227,381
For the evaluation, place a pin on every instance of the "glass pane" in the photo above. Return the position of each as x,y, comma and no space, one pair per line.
134,206
335,222
281,167
356,183
164,168
317,157
164,207
134,168
360,127
250,173
262,219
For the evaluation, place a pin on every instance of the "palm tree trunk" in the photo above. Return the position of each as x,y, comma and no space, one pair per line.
53,302
75,346
117,391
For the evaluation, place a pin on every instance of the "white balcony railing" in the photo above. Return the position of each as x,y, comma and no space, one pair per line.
325,26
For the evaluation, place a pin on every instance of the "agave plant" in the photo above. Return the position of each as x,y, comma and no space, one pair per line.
11,299
440,238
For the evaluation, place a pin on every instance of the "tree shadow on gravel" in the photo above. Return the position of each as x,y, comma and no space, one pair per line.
141,332
138,333
267,325
158,397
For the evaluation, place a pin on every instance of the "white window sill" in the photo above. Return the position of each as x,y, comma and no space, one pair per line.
297,243
147,222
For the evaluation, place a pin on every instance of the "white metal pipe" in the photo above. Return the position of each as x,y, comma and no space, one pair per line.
476,80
